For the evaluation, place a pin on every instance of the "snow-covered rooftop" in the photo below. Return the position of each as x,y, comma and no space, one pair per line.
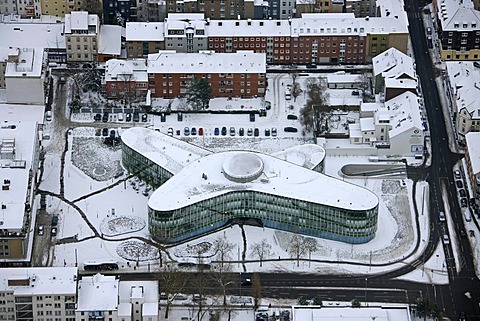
473,142
307,155
458,15
465,81
39,280
404,113
146,291
342,77
32,35
207,62
126,70
400,83
17,146
387,313
29,63
145,31
170,153
80,20
393,63
241,170
110,40
98,293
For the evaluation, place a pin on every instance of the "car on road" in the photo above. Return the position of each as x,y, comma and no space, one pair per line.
293,117
241,131
312,65
232,131
457,174
446,239
267,132
186,131
170,131
40,230
193,131
144,117
246,282
250,132
463,234
200,131
459,184
274,132
290,129
441,217
462,193
463,202
224,131
128,117
216,131
104,131
54,231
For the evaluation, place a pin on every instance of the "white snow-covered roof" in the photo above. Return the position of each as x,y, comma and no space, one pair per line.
252,28
18,133
39,281
393,63
392,9
473,143
145,31
126,70
110,40
32,35
400,83
98,293
367,124
465,81
29,64
241,170
342,77
458,15
307,155
387,313
404,113
147,291
207,62
168,152
80,20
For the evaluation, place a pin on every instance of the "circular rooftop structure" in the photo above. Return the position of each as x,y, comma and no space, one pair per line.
243,167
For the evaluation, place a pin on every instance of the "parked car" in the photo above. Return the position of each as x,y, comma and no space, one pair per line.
355,93
267,132
457,174
462,193
216,131
268,105
200,131
246,282
105,117
463,202
241,131
459,184
54,231
290,129
104,131
463,234
274,132
170,131
252,117
97,117
128,117
136,116
312,65
54,220
429,31
250,132
40,230
224,131
232,131
256,132
293,117
186,131
193,131
144,117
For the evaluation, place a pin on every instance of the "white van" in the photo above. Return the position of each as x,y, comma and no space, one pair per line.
120,117
48,115
467,215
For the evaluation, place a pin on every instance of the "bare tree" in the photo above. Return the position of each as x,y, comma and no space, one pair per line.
296,248
256,290
261,250
223,267
314,115
172,282
363,83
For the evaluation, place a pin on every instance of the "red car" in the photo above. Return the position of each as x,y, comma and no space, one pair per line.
200,131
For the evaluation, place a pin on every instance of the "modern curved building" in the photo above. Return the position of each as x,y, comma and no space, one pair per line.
213,191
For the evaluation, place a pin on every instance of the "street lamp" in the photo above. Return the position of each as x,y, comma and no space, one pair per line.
366,286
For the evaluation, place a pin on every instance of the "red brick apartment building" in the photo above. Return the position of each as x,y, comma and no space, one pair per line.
240,74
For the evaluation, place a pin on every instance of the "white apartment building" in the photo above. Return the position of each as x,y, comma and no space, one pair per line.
81,36
97,298
39,294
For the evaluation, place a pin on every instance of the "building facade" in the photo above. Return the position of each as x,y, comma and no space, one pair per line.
472,159
118,12
125,79
247,187
81,36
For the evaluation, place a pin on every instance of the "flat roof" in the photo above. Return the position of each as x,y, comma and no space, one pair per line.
473,142
258,172
145,31
32,35
97,293
30,62
170,153
39,280
207,62
110,40
378,313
